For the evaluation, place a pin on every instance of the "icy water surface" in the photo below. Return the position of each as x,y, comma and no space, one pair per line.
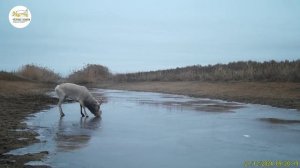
147,130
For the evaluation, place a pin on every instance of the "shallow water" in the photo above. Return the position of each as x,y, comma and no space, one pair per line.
140,129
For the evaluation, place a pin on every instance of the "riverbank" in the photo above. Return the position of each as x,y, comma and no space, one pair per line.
277,94
19,99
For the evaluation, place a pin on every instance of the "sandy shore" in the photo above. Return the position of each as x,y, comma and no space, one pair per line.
18,99
278,94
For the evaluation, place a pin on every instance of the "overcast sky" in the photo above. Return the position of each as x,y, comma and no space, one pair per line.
140,35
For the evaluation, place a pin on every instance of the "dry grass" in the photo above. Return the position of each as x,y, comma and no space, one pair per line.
8,76
271,71
19,87
37,73
90,74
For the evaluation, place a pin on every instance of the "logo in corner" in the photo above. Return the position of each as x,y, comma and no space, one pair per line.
19,16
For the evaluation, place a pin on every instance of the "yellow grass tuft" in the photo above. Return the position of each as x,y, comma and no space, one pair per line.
37,73
91,73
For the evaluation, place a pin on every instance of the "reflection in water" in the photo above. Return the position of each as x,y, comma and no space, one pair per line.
198,105
75,135
160,130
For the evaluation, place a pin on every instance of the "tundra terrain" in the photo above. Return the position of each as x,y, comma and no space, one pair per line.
18,99
24,93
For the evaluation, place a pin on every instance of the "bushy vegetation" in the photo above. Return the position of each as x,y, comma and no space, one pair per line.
38,73
235,71
270,71
9,76
91,73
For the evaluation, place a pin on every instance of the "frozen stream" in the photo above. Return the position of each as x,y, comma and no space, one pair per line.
152,130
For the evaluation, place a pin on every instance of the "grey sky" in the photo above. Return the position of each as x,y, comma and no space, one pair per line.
139,35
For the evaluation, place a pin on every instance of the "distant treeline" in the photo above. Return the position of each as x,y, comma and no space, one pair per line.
271,71
235,71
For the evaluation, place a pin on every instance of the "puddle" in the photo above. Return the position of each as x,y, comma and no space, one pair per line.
188,103
141,129
280,121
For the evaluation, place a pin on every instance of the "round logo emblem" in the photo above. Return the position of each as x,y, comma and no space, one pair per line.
19,16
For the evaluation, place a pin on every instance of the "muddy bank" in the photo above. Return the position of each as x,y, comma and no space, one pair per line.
277,94
279,121
17,101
